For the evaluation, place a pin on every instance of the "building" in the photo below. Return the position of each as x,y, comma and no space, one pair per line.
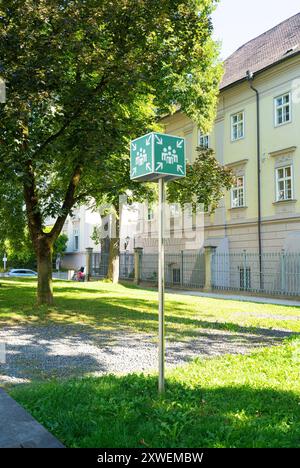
256,134
80,226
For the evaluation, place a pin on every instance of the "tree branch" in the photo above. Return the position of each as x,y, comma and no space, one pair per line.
67,204
70,119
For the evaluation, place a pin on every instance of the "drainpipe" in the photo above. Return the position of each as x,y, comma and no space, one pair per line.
250,78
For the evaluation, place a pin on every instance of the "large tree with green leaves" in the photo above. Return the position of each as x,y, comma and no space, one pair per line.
83,78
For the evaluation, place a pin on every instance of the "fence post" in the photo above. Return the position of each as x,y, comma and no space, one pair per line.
88,263
283,271
209,251
138,252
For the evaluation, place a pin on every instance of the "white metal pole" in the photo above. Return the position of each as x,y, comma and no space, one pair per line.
161,286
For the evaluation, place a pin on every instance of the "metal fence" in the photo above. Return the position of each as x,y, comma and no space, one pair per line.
279,274
126,266
99,265
240,271
185,269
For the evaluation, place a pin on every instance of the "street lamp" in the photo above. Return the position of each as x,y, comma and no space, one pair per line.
127,239
126,243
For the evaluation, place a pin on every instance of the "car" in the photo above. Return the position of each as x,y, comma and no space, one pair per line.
22,272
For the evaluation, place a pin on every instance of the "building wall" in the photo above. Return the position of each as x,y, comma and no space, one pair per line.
82,223
279,146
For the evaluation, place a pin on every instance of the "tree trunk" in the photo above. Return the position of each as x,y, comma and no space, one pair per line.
113,260
44,261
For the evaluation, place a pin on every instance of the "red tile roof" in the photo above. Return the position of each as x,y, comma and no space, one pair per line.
273,46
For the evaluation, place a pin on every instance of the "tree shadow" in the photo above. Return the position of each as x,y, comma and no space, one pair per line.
127,412
142,315
40,353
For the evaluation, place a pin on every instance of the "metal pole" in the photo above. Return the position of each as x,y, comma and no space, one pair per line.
161,287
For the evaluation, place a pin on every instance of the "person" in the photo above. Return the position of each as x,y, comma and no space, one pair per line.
80,274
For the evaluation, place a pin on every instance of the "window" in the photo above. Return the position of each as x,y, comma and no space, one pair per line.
283,109
238,193
237,126
284,183
203,140
76,239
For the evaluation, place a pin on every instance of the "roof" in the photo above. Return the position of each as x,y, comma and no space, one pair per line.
274,46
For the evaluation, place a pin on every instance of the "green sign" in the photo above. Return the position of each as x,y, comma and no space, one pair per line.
156,156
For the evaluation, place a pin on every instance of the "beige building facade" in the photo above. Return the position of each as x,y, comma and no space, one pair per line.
270,64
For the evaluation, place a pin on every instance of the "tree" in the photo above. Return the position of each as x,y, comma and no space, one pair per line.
83,79
204,184
60,245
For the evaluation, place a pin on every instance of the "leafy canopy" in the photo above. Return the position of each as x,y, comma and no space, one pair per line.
84,78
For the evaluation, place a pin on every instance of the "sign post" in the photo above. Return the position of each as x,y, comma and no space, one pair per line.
159,157
161,287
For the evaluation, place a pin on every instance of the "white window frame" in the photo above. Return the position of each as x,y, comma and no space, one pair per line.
284,179
201,137
282,106
236,124
238,189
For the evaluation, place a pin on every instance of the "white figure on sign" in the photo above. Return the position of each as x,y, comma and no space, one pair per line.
169,155
141,157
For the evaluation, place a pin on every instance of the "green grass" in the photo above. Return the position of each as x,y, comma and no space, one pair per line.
232,401
106,306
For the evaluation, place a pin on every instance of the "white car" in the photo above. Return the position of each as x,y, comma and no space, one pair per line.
22,272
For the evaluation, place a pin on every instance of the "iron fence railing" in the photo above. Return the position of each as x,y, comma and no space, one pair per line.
126,266
184,269
99,264
279,274
100,261
237,271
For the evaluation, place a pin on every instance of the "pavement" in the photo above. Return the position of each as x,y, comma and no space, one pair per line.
20,430
236,297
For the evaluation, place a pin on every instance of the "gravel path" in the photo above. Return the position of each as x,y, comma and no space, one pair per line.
39,352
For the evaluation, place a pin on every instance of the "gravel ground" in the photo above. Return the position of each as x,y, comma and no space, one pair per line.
40,352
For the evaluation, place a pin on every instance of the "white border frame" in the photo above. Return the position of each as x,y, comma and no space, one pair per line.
276,183
276,125
231,193
231,125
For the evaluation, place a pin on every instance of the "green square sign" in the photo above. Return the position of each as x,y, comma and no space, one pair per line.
156,156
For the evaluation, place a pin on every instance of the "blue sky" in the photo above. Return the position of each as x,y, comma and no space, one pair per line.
238,21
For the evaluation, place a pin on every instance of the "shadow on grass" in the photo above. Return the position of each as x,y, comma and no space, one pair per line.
121,312
126,412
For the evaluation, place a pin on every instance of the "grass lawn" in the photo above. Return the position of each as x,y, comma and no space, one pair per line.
106,306
231,401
